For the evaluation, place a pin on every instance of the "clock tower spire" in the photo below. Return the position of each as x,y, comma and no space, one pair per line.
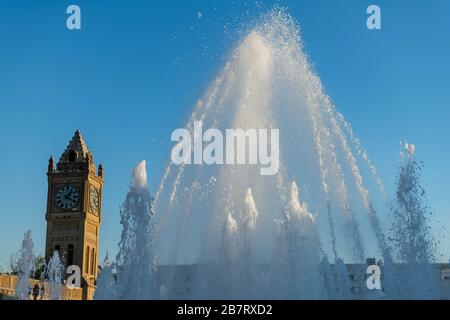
74,210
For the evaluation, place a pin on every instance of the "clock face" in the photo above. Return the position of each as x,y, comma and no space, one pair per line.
93,200
67,197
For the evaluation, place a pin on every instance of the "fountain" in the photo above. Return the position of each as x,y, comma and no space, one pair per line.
268,83
55,276
414,247
300,248
106,285
26,267
135,260
233,233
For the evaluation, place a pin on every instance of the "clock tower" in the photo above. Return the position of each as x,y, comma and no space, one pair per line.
74,211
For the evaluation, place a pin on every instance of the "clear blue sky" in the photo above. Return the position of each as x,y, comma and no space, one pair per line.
133,72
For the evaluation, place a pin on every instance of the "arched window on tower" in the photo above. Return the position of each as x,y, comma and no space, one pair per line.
72,156
86,267
70,255
92,261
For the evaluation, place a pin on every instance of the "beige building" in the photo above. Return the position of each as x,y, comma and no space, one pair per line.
8,284
74,211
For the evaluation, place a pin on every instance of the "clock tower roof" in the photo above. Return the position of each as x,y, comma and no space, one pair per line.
76,153
77,145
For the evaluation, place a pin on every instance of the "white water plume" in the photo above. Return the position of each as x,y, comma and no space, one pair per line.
135,260
55,276
26,267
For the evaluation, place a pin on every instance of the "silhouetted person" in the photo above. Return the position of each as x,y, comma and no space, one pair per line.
36,291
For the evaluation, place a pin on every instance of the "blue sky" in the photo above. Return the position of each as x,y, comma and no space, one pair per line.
134,71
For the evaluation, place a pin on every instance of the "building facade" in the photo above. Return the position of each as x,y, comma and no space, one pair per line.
74,210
